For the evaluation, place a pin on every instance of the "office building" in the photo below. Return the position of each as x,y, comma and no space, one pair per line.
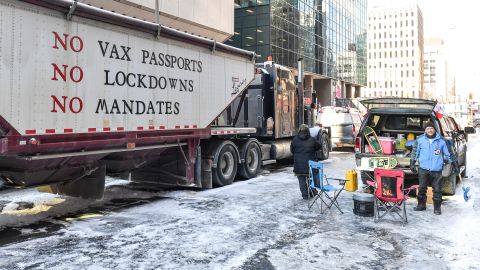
435,70
395,52
329,35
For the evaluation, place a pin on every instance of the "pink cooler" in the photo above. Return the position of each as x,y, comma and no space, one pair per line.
388,145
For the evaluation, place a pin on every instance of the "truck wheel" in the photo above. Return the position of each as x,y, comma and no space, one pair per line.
227,163
252,161
449,184
324,152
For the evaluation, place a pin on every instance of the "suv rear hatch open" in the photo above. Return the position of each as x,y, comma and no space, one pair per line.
399,103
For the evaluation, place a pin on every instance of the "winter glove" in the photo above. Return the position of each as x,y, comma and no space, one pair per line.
413,168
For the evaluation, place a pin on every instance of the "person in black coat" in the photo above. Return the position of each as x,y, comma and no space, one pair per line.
303,148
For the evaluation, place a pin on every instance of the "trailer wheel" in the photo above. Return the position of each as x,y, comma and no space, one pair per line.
226,168
324,152
252,161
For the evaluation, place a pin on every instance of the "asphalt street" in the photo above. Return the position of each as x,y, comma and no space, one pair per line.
261,223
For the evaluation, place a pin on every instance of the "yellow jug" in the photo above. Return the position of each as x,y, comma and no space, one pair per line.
352,183
410,137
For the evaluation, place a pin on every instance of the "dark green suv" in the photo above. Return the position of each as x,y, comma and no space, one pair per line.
397,119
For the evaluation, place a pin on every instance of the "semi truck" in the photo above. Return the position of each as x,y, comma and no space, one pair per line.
88,93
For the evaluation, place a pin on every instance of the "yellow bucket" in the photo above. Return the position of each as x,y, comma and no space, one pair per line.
352,183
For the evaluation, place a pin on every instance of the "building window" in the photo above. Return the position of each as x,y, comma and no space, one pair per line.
407,73
413,63
413,53
413,73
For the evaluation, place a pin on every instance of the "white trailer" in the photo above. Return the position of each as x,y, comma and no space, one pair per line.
86,91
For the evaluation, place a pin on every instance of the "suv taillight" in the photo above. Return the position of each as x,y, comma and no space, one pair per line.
353,129
357,144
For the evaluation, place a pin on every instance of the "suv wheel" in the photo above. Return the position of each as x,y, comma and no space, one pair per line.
449,184
464,173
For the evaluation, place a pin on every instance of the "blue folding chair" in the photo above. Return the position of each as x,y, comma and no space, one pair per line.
318,185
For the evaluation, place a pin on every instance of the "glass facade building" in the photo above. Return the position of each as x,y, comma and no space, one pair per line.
330,35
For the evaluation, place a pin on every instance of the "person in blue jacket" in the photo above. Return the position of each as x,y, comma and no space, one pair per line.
431,150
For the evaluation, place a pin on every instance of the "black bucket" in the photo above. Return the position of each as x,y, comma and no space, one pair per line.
363,204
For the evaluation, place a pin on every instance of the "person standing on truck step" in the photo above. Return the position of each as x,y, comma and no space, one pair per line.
303,148
431,149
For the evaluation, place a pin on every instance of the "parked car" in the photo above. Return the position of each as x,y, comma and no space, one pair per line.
404,117
343,124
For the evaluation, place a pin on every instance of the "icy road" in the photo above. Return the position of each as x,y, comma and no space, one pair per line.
257,224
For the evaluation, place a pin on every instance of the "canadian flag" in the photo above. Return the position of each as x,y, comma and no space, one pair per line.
439,110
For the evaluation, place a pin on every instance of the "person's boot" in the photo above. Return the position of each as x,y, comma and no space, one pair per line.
421,206
437,207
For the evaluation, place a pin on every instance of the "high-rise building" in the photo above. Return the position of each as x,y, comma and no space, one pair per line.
329,35
395,52
207,18
435,70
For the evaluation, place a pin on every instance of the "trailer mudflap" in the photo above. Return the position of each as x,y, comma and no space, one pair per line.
91,186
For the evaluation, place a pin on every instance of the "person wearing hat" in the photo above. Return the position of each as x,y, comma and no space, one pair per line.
431,150
303,148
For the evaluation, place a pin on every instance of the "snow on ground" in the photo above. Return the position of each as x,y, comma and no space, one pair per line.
261,223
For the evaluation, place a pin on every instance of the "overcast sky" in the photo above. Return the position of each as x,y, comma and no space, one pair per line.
458,23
